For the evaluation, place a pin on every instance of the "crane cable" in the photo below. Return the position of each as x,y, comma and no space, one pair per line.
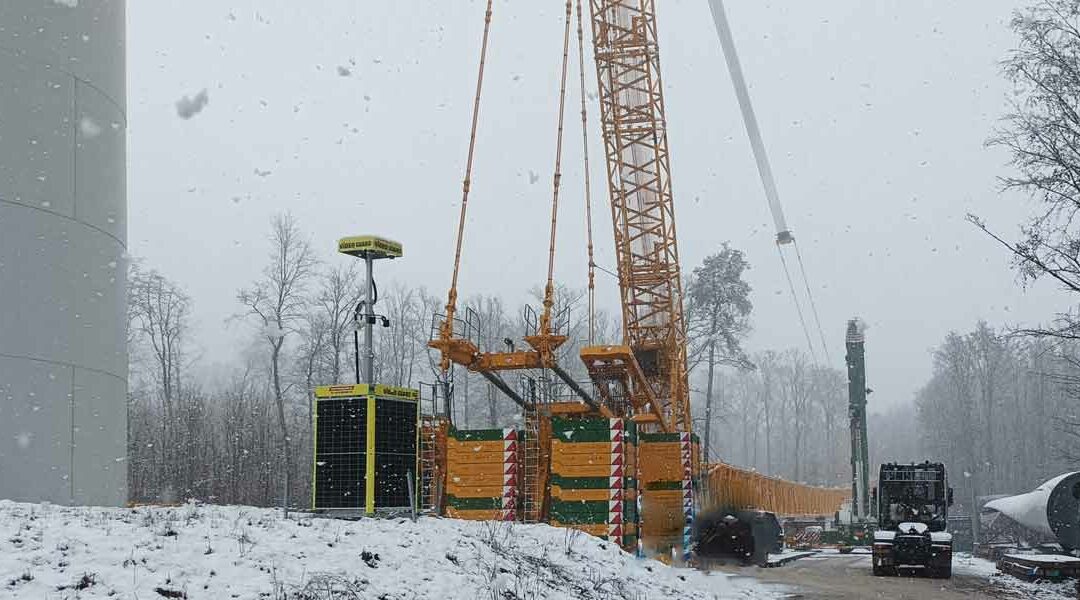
588,193
549,289
447,329
768,181
813,307
798,308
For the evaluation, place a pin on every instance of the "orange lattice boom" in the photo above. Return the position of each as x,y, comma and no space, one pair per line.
639,181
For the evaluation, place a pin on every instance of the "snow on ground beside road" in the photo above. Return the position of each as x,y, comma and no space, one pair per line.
55,552
787,556
966,564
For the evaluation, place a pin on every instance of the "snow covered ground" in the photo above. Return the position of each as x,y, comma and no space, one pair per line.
966,564
55,552
782,558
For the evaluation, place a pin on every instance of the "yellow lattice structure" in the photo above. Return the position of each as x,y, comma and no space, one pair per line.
634,126
734,488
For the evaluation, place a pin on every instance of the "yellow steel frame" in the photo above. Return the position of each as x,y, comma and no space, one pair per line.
350,390
369,479
465,353
617,364
639,181
314,453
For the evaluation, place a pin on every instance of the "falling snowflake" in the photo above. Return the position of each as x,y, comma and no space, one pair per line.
189,107
89,128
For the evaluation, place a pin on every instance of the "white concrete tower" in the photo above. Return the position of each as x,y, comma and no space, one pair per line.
63,232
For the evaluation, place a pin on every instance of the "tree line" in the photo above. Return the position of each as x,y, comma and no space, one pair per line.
245,436
786,417
1002,404
1001,410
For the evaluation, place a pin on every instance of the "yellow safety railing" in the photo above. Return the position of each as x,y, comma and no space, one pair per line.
727,486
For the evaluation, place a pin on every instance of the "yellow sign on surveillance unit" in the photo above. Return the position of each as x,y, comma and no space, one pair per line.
364,245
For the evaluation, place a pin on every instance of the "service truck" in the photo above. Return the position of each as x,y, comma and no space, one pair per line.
912,515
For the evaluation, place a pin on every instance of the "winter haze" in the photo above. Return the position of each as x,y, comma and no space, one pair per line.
353,116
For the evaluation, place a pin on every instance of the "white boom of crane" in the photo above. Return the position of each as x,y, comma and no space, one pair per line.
783,235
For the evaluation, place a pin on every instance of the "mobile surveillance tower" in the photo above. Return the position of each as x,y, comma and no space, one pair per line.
365,459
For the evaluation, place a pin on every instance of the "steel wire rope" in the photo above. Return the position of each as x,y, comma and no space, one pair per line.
588,192
466,183
813,306
549,288
798,307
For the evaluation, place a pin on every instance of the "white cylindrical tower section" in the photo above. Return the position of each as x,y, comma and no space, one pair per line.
63,356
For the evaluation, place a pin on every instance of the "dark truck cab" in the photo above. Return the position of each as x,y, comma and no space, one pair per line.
912,515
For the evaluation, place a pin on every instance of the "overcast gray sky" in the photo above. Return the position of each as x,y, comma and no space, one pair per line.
874,114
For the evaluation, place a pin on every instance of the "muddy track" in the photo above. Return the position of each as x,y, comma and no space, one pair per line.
848,577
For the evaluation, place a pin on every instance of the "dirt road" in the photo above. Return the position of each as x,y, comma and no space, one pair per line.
848,577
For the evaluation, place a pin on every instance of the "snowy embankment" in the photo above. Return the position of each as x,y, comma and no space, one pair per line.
49,551
973,566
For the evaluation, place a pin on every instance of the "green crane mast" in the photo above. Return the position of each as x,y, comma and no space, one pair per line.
860,453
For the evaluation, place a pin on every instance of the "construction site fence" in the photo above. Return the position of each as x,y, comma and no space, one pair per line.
729,487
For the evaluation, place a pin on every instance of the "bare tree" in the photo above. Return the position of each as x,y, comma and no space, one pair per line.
831,395
747,410
236,421
159,315
337,299
1042,135
783,411
277,303
796,387
989,354
608,328
325,330
315,332
767,364
397,350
